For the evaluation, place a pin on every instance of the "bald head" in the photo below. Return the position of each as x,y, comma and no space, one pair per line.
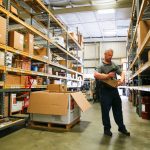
108,51
108,55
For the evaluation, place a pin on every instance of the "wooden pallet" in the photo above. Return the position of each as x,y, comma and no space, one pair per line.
52,126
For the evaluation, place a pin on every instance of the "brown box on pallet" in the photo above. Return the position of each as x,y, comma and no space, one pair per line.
57,88
62,108
2,30
28,43
142,31
13,10
16,40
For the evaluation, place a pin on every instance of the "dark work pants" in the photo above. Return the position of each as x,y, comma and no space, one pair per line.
109,98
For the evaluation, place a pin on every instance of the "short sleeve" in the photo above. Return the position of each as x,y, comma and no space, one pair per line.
118,70
99,69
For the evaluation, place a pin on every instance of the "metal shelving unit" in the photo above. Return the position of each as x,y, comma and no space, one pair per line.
138,59
37,9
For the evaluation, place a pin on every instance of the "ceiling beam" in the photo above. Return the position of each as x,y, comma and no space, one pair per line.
118,4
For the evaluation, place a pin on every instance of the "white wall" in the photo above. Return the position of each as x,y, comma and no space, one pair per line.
94,53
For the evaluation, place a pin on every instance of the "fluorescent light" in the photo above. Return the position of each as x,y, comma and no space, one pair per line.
99,2
106,11
110,33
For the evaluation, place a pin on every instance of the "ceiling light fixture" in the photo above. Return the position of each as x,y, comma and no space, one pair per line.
110,33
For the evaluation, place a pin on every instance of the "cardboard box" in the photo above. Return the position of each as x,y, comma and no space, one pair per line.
39,80
2,30
80,69
74,35
147,23
57,88
15,105
16,40
29,43
12,79
1,2
111,82
60,108
41,52
142,32
23,80
13,10
64,63
26,64
80,40
2,58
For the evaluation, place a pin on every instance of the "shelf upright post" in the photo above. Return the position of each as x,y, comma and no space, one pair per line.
67,49
48,44
7,5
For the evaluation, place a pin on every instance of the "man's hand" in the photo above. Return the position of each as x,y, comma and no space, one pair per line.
111,74
101,76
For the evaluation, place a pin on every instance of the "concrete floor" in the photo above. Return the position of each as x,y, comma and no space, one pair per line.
87,135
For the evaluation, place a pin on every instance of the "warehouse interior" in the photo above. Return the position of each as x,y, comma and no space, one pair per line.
50,97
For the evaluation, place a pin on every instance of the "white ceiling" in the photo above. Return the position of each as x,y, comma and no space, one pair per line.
91,24
94,25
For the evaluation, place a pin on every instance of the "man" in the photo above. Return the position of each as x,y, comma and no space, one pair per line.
109,96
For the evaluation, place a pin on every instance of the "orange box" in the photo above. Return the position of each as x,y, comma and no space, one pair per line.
39,81
26,65
2,30
41,52
64,63
74,35
80,69
23,80
12,79
28,43
16,40
1,2
13,10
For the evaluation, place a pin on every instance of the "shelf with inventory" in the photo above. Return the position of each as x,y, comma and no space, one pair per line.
23,65
137,21
139,54
40,7
38,58
141,88
35,31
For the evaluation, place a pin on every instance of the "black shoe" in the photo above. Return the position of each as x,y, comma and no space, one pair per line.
108,132
125,132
